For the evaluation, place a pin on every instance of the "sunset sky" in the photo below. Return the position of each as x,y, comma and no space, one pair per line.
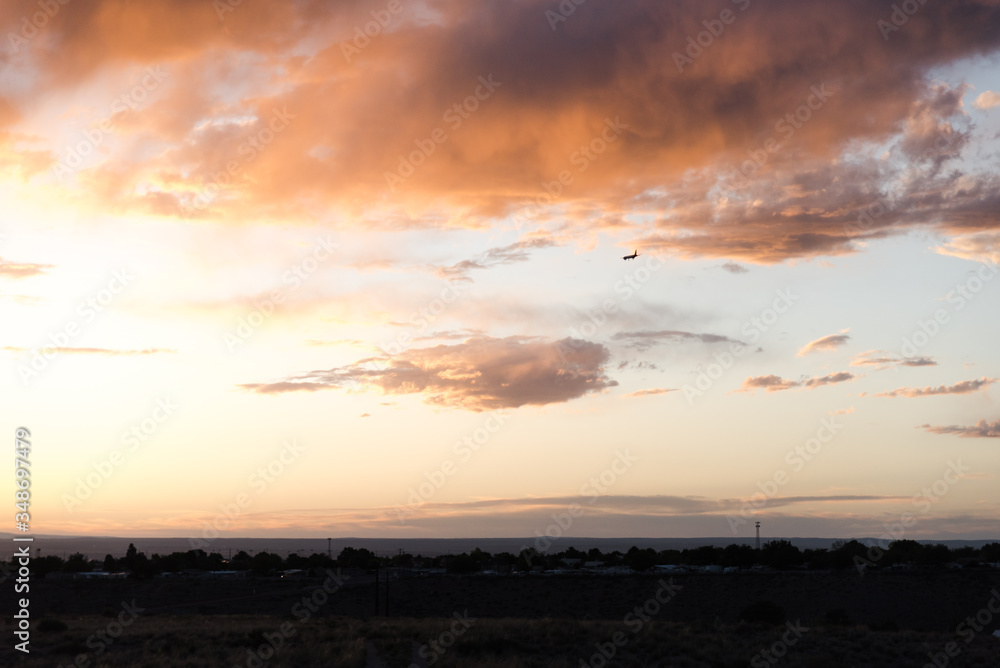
355,268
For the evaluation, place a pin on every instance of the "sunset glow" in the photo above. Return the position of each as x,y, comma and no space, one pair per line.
355,268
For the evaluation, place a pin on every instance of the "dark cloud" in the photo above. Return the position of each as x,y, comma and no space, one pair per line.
882,360
637,365
643,340
735,268
478,374
653,503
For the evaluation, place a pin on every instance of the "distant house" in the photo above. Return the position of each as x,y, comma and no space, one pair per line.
670,568
97,575
228,575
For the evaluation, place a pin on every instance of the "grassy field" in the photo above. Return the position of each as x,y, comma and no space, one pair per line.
789,619
336,642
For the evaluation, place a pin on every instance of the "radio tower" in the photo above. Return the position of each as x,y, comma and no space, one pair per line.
758,534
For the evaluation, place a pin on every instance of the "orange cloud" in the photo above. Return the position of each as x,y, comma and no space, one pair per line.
774,383
982,429
583,128
92,351
22,269
987,100
651,391
964,387
509,254
481,373
829,342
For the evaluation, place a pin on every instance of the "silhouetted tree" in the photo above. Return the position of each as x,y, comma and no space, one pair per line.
351,557
846,555
266,563
934,555
990,552
706,555
780,554
462,564
130,556
903,552
110,564
77,563
49,564
739,555
640,560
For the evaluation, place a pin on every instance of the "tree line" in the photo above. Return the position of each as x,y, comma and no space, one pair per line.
775,554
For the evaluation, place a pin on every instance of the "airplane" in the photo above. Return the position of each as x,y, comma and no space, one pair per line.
633,256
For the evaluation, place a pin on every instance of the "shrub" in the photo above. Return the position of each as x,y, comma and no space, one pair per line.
51,626
763,612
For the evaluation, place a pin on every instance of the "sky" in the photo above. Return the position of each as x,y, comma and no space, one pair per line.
351,268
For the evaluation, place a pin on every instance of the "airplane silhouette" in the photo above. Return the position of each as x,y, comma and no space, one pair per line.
633,256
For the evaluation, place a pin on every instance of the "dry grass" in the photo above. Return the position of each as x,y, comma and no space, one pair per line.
339,642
